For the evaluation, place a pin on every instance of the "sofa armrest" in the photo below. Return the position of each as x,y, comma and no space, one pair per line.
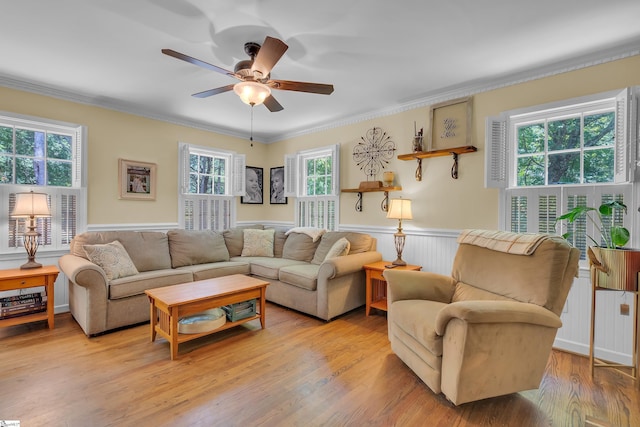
491,311
83,272
425,285
340,266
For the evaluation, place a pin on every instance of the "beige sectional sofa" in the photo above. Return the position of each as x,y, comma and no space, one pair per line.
109,271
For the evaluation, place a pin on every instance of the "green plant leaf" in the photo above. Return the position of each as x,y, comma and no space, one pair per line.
608,208
619,236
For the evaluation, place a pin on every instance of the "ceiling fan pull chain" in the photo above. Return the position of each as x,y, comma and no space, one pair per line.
251,137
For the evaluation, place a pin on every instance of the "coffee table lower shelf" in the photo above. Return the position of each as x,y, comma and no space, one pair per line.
170,303
163,318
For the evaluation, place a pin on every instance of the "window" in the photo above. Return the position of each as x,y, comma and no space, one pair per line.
42,156
210,179
312,176
551,158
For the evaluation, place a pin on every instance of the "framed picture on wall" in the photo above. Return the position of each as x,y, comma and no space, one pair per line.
137,180
276,178
450,124
253,180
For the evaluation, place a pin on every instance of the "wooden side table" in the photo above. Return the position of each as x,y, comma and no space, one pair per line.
377,285
21,279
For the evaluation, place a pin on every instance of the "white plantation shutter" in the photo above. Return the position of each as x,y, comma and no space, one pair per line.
291,175
621,168
533,210
335,175
239,162
496,145
209,211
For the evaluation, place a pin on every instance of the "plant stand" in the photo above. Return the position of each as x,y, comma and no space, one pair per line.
631,371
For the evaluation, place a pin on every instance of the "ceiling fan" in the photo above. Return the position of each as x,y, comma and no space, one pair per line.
254,75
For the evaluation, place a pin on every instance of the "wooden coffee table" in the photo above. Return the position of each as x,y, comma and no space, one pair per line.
170,303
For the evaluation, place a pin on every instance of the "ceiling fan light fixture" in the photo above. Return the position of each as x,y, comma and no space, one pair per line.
252,93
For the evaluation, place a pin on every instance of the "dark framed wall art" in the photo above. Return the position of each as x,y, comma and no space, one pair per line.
276,178
253,184
137,180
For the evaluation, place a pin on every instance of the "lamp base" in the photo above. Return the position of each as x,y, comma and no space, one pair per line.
29,265
399,261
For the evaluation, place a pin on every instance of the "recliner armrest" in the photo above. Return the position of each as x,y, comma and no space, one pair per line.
491,311
405,285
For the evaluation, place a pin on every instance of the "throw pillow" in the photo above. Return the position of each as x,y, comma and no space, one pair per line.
113,258
339,248
258,243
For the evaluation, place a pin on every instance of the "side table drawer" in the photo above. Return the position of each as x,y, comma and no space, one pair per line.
21,282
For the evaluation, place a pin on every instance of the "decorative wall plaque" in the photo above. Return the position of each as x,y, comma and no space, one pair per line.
374,152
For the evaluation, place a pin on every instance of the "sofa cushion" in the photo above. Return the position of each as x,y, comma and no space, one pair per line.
113,258
299,247
192,247
269,268
149,250
234,238
136,285
217,269
304,276
258,243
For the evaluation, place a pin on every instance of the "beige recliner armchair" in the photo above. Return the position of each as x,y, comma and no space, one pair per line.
488,329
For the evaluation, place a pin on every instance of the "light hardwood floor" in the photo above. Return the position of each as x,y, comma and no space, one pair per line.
299,371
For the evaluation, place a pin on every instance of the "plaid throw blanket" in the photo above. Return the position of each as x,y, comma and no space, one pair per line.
503,241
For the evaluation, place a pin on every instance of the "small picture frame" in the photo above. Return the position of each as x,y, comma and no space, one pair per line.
253,186
276,178
137,180
450,124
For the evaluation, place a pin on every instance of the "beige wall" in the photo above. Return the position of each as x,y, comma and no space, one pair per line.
438,200
113,135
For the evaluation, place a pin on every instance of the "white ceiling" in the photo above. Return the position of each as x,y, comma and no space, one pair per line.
381,56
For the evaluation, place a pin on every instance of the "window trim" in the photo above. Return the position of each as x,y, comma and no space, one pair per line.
78,188
202,203
295,185
500,156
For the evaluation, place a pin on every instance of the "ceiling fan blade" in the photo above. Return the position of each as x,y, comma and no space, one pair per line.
212,92
322,89
271,51
197,62
273,105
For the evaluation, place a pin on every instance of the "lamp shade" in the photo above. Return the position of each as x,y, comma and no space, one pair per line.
30,205
252,93
400,209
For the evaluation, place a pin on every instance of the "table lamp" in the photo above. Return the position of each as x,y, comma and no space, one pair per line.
31,205
399,209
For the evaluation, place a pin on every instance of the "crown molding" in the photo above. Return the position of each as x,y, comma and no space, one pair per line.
479,86
445,94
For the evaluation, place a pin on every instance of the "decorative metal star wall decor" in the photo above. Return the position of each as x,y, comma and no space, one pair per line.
375,151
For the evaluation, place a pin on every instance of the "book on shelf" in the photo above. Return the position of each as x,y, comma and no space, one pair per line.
19,305
22,291
21,310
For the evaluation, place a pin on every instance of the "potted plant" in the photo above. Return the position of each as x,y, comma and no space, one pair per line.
615,267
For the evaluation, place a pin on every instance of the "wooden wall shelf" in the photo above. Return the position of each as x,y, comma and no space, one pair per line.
385,202
455,151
